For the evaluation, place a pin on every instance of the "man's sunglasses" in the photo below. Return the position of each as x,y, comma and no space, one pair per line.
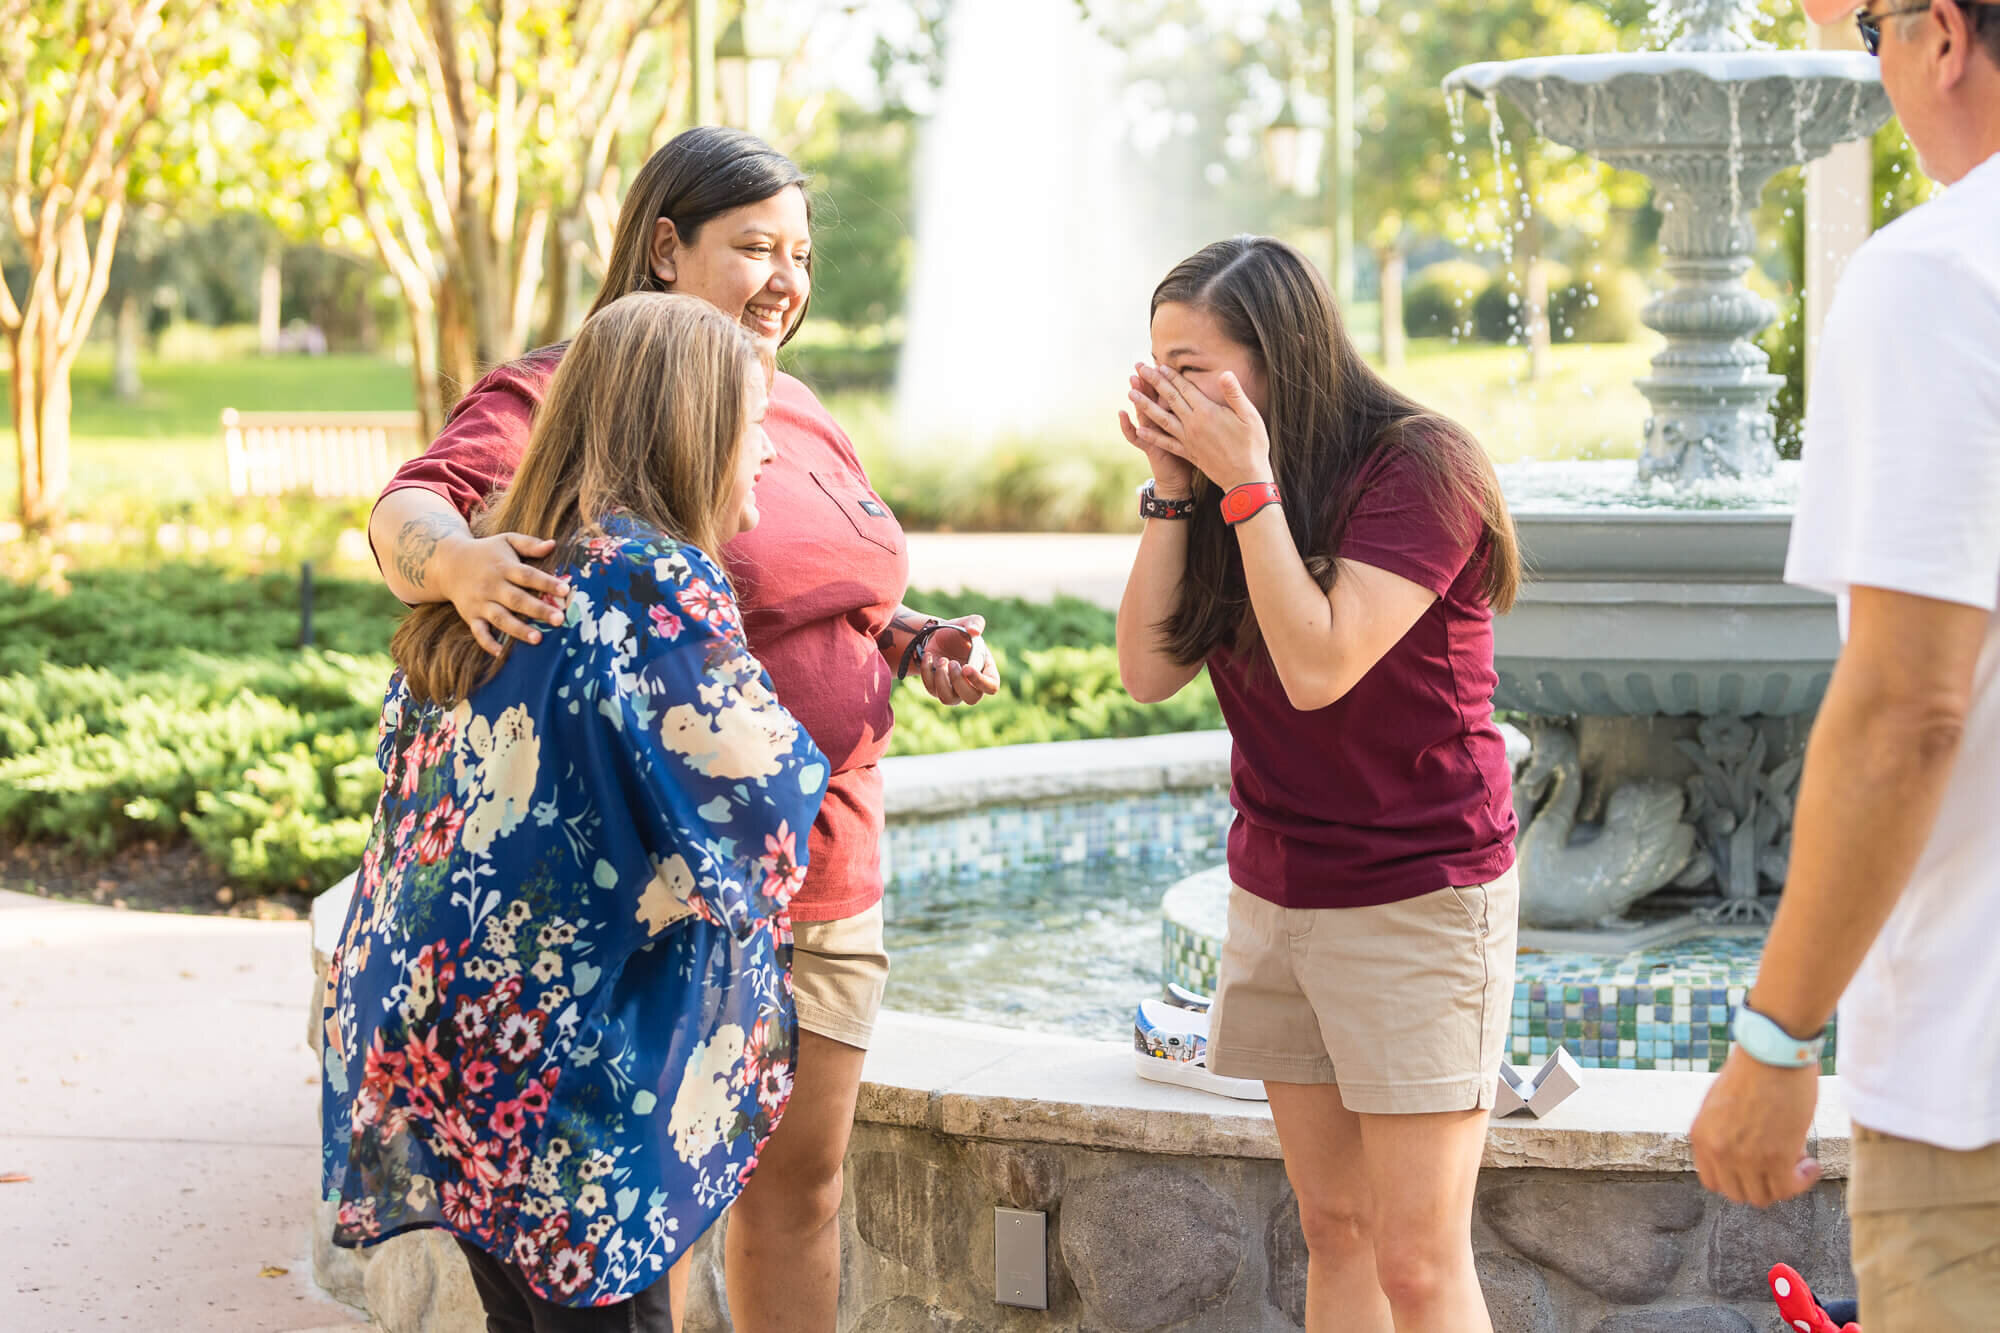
1870,25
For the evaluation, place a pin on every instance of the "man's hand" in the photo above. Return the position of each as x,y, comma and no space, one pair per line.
1750,1139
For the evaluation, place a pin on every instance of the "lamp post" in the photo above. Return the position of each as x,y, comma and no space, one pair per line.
1293,150
747,71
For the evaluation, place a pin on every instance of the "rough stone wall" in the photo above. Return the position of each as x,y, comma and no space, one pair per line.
1156,1243
1140,1242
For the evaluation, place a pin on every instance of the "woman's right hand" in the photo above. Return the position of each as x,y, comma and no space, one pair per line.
1173,476
495,593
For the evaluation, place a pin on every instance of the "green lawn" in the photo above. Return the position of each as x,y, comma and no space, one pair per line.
168,446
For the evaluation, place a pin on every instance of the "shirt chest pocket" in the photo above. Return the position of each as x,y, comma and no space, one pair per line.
864,510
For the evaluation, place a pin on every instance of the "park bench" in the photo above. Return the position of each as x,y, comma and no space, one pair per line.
332,455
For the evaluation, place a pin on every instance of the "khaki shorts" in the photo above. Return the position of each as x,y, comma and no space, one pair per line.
1926,1234
1404,1006
838,971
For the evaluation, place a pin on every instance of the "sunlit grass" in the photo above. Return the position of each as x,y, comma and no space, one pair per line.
168,446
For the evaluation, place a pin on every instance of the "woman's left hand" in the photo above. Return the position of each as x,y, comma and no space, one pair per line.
957,667
1226,440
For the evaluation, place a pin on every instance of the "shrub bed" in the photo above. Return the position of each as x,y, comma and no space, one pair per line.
173,705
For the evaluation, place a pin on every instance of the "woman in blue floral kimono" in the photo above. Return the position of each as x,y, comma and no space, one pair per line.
559,1022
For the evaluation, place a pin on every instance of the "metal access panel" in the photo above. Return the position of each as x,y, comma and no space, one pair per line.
1021,1258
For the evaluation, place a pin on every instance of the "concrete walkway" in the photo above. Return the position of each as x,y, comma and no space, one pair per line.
156,1088
1038,565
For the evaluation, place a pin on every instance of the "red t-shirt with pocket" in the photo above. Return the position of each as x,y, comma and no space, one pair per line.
1402,787
817,578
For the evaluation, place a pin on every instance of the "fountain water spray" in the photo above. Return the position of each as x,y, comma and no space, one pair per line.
1710,119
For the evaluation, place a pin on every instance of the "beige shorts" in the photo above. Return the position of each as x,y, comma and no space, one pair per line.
839,969
1403,1006
1926,1226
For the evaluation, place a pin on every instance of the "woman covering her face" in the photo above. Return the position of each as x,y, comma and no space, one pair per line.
559,1022
1333,553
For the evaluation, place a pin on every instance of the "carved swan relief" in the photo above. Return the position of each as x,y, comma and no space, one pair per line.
1576,875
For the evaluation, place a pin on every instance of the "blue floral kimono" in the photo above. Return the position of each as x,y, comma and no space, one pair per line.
559,1022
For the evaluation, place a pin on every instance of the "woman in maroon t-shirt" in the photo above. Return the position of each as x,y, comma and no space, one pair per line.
1334,553
721,215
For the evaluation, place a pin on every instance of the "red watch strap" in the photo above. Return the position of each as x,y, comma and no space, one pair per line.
1242,501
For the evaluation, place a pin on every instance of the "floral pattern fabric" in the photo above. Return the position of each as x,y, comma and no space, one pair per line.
559,1021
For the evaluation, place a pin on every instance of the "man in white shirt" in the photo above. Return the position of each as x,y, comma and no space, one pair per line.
1894,891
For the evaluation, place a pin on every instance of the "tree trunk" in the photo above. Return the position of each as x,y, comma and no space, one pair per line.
1392,265
458,367
559,271
127,330
41,402
270,301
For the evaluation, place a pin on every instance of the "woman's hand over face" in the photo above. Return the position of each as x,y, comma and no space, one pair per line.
1225,441
1173,476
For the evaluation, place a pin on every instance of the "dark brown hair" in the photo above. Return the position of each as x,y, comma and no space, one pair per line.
645,414
1329,416
698,175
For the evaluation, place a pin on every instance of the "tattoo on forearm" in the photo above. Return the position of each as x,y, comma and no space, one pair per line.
901,626
417,543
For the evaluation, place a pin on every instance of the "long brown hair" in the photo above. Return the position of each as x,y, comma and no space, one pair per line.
645,414
1330,416
697,175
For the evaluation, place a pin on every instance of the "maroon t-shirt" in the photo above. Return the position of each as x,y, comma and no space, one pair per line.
1401,787
818,578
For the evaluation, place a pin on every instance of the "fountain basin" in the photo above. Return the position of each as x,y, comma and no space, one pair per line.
1642,602
1795,103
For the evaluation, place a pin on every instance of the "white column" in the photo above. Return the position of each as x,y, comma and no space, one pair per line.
1839,210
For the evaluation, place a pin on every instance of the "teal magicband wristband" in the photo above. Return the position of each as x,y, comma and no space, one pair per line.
1768,1044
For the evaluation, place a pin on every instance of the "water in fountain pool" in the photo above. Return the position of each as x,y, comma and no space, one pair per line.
1070,949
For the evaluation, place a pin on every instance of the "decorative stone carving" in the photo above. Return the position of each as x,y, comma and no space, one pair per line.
1744,815
1636,1231
1150,1248
1517,1295
1572,875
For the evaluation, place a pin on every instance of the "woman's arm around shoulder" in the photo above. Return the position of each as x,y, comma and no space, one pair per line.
420,528
732,782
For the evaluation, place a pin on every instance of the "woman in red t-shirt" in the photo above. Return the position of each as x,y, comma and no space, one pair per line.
1334,553
721,215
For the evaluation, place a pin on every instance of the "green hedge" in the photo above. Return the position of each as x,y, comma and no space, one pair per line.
173,704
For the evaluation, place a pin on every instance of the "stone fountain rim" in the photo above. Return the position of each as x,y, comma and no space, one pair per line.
1720,67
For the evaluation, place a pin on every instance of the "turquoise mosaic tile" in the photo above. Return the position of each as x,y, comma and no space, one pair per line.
1164,826
1654,1009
